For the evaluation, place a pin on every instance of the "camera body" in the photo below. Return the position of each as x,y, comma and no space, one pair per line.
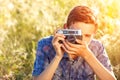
71,34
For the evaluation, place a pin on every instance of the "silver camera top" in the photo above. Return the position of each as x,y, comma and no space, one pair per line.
71,35
70,32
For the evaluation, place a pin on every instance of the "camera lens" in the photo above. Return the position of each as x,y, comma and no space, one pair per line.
72,38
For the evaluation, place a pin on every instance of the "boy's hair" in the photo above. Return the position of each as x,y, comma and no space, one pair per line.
81,14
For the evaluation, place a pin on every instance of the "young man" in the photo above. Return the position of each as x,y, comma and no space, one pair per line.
89,58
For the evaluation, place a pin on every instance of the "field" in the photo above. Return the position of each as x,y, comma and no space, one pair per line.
24,22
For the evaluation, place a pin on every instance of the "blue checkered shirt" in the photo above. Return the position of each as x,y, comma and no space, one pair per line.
68,69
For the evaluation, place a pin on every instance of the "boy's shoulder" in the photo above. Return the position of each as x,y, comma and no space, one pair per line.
96,47
96,42
44,45
46,40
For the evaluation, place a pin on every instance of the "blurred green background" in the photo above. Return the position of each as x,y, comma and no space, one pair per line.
24,22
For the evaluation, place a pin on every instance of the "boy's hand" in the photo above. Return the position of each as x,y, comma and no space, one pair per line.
75,50
58,46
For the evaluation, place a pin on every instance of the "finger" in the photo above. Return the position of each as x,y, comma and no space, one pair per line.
57,39
75,47
69,48
68,51
71,44
79,41
57,36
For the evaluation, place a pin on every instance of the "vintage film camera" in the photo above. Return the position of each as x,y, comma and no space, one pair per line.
71,35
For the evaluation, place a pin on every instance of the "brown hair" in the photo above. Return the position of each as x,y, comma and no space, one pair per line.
81,14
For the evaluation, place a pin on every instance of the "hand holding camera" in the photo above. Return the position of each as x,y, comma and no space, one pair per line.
71,35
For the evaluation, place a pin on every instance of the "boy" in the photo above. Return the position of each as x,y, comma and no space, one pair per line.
53,59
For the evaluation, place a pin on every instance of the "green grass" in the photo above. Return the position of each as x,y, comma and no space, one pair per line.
23,23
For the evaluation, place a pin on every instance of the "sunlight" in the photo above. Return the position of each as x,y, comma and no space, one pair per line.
38,18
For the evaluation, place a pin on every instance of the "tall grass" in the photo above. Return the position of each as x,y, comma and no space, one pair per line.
24,22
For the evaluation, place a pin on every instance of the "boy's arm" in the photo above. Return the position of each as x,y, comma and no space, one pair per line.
48,73
101,72
99,66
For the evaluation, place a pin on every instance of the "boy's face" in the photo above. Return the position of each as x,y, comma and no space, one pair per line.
88,30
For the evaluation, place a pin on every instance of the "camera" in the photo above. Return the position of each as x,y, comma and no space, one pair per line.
71,35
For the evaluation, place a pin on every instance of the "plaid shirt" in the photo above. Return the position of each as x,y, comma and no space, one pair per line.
68,69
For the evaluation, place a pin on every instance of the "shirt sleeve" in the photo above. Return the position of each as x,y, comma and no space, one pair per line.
40,59
103,57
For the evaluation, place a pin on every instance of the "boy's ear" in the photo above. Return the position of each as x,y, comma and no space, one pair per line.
65,26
